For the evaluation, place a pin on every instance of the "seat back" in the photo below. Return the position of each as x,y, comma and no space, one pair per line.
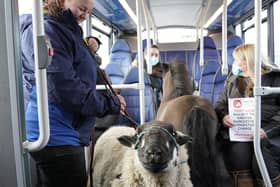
207,79
218,87
115,73
131,97
219,81
210,54
120,55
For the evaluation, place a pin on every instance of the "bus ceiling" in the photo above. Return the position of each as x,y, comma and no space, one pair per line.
121,14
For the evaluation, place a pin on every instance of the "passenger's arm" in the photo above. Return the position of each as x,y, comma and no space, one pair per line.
221,107
69,91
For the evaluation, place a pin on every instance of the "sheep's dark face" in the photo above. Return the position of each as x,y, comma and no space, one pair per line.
157,145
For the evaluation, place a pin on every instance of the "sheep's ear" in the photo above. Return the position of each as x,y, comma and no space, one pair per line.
183,139
128,141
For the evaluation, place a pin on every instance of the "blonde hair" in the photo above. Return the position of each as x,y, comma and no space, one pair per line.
54,7
246,53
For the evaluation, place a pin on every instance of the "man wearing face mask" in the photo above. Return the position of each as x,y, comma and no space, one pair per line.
155,78
153,88
239,156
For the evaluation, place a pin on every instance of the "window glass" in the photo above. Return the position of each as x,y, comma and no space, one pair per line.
277,31
250,37
25,6
104,50
251,21
238,30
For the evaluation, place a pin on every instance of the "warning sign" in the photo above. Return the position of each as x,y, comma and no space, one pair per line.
242,112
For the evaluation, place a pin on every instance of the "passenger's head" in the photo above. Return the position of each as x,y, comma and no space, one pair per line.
93,43
79,8
154,60
244,61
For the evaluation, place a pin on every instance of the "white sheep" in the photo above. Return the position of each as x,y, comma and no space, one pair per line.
158,160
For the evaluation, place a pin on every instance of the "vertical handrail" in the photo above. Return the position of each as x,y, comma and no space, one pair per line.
147,24
202,21
201,59
41,80
257,148
154,28
140,62
224,41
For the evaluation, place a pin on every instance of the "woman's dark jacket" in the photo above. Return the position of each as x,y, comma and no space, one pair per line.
72,74
270,104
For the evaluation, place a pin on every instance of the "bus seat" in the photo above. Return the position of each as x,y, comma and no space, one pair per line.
219,80
218,87
115,73
207,79
210,54
121,55
232,43
131,97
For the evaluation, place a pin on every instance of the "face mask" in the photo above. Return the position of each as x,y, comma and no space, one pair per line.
154,60
236,70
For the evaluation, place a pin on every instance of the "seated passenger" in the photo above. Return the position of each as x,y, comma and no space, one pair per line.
94,45
156,77
239,156
153,89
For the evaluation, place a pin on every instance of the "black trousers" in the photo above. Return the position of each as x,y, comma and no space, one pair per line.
240,156
61,166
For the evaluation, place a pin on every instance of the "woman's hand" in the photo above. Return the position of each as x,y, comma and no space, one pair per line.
262,134
123,103
227,122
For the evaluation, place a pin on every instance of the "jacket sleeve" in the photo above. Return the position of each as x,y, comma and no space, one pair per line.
221,107
66,88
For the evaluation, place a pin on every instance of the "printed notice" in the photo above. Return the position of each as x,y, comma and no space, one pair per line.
241,112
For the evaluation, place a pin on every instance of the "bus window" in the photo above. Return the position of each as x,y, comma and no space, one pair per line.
104,50
238,30
25,7
250,36
276,32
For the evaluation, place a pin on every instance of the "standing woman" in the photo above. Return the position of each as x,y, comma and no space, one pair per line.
73,99
239,156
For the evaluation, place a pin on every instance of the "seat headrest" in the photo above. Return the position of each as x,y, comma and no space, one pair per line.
210,67
113,70
133,77
208,43
120,46
234,41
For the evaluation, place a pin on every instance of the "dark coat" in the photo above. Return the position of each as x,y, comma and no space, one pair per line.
270,104
72,74
270,107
